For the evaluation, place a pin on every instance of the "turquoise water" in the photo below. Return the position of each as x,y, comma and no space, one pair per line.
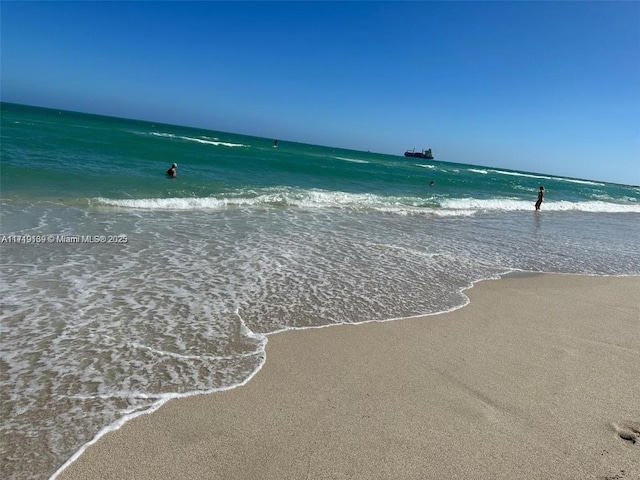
64,156
184,278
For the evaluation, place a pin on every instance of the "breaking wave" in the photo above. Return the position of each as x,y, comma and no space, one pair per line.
352,160
319,199
545,177
204,140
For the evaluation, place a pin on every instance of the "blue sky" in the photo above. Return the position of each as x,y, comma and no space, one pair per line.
547,87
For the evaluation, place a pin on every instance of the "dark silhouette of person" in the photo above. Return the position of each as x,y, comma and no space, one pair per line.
540,197
172,172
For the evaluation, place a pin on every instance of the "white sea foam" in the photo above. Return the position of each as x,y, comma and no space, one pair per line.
517,174
573,180
604,197
352,160
507,204
593,206
162,399
318,199
205,140
546,177
189,203
272,197
540,177
307,199
486,204
425,166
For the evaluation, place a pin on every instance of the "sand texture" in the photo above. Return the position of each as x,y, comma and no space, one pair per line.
537,378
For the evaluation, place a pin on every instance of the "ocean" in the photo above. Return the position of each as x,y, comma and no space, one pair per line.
123,288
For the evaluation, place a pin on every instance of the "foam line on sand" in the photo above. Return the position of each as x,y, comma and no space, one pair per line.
536,378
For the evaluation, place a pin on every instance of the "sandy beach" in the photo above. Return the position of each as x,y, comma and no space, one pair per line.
536,378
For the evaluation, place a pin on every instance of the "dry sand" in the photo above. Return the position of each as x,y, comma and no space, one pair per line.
538,378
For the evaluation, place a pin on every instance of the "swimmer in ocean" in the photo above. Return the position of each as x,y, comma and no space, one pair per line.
172,172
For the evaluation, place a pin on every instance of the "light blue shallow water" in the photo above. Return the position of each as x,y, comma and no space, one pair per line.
248,239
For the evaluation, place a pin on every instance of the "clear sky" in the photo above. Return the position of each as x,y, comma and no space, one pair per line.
548,87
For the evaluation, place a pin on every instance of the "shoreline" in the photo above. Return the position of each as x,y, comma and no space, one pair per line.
160,403
358,382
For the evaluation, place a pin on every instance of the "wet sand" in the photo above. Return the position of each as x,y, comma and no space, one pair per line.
536,378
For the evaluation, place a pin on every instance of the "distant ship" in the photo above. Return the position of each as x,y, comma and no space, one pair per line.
423,154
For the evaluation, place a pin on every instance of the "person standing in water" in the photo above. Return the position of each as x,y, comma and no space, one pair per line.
540,197
173,172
